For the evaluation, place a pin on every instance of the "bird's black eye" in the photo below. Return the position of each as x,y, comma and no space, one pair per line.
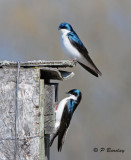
63,27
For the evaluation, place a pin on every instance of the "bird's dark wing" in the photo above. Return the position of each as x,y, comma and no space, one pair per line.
52,139
77,43
65,121
88,69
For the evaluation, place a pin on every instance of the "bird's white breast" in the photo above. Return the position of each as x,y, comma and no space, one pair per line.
67,47
60,109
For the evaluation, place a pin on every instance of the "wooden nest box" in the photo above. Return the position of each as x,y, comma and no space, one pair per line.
27,99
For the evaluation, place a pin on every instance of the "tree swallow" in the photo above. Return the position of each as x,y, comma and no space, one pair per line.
75,49
64,114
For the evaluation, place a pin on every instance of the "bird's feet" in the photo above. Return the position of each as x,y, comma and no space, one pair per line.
56,105
74,61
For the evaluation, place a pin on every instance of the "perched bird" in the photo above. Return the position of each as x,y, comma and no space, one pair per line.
75,49
64,114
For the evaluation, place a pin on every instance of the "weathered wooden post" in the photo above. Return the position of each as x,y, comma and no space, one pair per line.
27,100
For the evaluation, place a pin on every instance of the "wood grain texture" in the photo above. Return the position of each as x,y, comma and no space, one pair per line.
42,134
49,111
40,63
49,114
27,120
35,114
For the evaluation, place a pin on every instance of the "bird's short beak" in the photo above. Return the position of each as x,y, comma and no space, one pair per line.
67,93
58,28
